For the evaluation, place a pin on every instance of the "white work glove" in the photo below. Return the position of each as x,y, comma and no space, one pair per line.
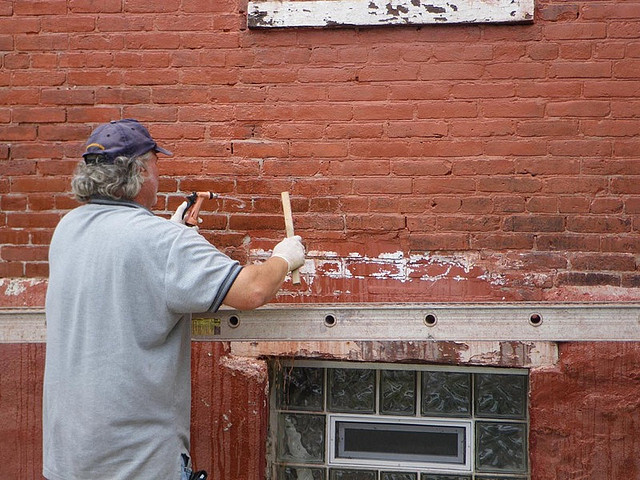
179,216
292,250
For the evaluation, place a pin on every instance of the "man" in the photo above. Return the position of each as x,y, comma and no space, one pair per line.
122,285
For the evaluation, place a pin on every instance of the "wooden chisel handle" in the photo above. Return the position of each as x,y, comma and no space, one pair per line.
288,225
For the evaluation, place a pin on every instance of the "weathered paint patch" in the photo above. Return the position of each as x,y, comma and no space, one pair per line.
505,354
21,292
332,13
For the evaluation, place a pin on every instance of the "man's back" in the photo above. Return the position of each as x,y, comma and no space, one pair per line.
117,379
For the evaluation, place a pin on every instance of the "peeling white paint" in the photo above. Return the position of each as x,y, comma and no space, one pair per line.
14,287
390,266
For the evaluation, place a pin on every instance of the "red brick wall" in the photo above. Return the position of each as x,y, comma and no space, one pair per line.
441,163
513,146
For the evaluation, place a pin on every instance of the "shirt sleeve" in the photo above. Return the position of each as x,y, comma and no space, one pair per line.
198,276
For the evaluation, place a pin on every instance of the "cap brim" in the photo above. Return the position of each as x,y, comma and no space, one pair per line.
163,150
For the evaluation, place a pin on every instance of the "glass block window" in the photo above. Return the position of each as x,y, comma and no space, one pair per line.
356,421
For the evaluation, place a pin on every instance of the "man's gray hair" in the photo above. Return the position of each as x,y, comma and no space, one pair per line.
121,179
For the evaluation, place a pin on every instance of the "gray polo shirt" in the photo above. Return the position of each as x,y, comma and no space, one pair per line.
117,390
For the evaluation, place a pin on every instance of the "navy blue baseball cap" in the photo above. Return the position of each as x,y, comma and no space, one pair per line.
120,138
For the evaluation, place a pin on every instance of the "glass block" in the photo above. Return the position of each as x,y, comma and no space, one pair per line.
398,476
301,437
300,388
501,396
352,390
397,392
431,476
501,447
286,472
349,474
446,394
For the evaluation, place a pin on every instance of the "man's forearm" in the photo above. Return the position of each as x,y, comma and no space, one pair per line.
257,284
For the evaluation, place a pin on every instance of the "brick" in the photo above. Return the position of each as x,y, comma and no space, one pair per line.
485,128
534,223
68,23
555,13
516,70
447,109
40,7
14,25
611,128
17,167
547,128
9,236
24,253
21,78
545,166
513,109
152,40
151,113
600,262
573,204
334,149
415,129
382,111
32,220
624,29
598,224
117,96
95,6
418,168
550,89
383,186
442,148
18,132
204,113
293,93
444,185
298,168
502,241
539,204
543,51
386,73
375,222
124,23
96,41
330,112
92,114
625,185
151,6
42,42
450,71
304,75
522,184
626,69
612,89
439,242
38,115
350,130
515,148
574,31
11,269
67,96
259,149
580,148
620,243
576,51
568,242
587,279
67,132
580,70
576,185
255,222
410,92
